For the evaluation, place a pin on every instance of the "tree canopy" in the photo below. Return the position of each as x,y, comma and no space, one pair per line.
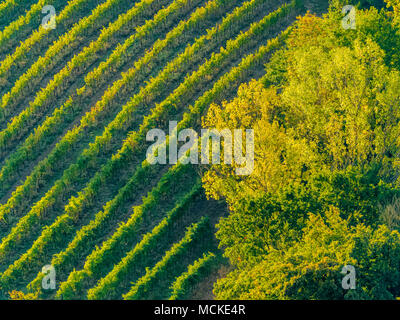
326,122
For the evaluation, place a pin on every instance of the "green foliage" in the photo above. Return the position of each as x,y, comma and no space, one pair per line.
76,105
167,265
133,144
109,103
228,80
274,221
183,285
78,65
311,268
326,119
102,259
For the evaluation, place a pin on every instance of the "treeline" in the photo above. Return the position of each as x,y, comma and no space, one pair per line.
324,193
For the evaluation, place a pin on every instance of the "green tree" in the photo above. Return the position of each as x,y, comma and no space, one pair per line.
326,122
311,268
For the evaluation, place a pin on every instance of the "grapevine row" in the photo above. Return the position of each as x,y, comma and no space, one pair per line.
63,46
64,226
75,171
166,266
103,259
64,146
109,286
10,9
24,24
78,65
162,49
229,80
68,16
196,271
88,235
101,176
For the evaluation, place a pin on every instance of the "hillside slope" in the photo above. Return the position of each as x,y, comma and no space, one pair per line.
76,105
